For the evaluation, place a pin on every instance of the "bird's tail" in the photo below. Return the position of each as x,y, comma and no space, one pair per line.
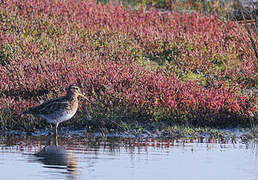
28,111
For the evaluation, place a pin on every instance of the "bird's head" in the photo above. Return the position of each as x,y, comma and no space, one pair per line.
75,90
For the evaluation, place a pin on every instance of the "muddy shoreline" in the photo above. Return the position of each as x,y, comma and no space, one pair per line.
176,133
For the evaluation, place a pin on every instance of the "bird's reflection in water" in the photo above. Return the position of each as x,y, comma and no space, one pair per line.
55,156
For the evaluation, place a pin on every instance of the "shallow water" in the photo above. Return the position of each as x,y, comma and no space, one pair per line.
76,157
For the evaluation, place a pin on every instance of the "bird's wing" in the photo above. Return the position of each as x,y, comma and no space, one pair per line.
53,107
48,107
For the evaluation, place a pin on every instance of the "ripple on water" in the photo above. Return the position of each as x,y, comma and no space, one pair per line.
81,157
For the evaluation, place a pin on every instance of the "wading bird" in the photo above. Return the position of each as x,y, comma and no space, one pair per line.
60,109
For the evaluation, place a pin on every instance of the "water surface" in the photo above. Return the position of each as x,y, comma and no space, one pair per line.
76,157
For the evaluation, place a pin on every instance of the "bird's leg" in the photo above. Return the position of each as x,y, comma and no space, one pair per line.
56,140
56,129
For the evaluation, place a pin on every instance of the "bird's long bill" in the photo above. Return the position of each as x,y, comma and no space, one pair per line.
88,100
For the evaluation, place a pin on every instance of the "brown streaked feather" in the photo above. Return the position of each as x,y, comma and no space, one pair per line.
49,106
53,107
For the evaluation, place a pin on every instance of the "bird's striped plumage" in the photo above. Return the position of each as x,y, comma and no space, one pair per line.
60,109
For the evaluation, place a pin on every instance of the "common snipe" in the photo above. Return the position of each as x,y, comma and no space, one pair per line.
60,109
